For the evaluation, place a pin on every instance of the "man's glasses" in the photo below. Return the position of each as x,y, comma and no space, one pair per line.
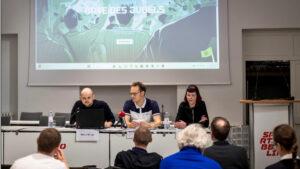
134,94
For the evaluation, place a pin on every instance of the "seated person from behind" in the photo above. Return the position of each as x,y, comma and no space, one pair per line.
191,142
138,157
88,101
140,109
285,141
192,109
49,156
227,155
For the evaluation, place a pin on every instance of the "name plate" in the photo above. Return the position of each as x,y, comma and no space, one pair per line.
87,135
130,133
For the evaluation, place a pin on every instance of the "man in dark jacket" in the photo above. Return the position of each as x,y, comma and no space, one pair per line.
138,157
227,155
88,101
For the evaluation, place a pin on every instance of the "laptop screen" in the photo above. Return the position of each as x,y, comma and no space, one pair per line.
90,119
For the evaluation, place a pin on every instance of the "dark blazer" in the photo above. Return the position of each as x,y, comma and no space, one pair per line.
284,164
227,155
192,115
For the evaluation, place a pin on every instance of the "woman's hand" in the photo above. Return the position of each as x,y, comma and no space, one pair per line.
180,124
203,118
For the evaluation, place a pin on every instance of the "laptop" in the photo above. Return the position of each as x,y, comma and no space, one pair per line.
90,119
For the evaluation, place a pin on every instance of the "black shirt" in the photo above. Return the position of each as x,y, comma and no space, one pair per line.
137,158
97,104
284,164
192,115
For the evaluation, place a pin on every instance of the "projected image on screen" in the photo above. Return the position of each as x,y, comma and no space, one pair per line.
126,34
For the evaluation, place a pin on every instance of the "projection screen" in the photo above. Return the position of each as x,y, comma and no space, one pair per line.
115,42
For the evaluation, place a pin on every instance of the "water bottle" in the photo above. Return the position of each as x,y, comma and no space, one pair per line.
50,120
166,120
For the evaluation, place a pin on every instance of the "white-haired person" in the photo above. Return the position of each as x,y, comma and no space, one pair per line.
191,141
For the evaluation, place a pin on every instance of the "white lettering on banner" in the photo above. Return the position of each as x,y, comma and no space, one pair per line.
87,135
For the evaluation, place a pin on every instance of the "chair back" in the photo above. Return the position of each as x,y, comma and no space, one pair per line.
43,121
5,166
5,120
66,115
60,120
31,116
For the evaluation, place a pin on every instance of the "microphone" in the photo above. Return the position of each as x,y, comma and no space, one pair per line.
121,114
121,120
73,117
162,114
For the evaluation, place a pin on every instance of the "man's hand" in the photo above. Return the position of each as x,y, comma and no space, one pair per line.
147,125
59,155
133,124
107,124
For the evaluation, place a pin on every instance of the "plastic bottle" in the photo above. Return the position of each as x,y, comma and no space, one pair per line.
50,120
166,121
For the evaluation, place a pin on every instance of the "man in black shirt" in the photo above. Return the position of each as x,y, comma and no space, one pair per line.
88,101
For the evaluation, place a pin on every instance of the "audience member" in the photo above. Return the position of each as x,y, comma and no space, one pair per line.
227,155
192,109
191,142
138,157
140,109
49,156
285,142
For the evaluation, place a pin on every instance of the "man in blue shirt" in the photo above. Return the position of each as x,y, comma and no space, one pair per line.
140,109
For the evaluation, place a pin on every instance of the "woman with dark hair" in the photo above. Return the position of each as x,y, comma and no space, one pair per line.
285,142
192,109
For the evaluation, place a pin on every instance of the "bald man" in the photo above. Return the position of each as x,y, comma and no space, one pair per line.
88,101
227,155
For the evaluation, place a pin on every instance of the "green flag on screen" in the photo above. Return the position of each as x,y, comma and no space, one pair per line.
207,52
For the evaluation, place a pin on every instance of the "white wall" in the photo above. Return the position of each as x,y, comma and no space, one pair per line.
221,99
9,80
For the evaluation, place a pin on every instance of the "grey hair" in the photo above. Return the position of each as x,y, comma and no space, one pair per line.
195,136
